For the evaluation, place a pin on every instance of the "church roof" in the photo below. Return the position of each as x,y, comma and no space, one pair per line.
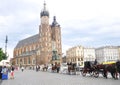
28,41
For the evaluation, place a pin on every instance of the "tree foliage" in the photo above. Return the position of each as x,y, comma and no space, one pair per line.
2,55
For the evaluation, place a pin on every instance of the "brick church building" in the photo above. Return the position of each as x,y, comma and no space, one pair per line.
38,48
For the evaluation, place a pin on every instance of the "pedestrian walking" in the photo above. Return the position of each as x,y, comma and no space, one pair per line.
22,68
37,68
95,62
12,73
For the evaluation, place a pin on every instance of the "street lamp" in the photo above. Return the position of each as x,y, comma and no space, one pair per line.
35,57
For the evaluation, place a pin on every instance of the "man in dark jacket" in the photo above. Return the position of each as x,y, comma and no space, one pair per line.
95,62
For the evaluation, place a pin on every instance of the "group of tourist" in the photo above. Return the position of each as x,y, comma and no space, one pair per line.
4,72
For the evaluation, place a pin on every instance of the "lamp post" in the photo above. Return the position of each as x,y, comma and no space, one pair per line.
35,57
6,41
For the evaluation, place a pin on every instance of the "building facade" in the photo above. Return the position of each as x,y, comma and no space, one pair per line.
107,53
75,55
89,54
38,48
79,54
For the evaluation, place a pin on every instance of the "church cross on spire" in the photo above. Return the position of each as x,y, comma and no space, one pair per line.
44,5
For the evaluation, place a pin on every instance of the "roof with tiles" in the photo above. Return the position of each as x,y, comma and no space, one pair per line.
28,41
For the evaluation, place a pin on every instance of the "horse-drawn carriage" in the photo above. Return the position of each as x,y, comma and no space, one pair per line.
104,68
90,69
56,67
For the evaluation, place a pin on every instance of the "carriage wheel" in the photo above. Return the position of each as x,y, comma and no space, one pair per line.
102,74
91,73
83,73
96,74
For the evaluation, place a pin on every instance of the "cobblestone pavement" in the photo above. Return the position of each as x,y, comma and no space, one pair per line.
31,77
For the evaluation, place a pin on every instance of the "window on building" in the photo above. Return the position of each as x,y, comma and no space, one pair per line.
17,61
30,48
26,49
24,60
16,53
81,59
21,62
33,61
29,60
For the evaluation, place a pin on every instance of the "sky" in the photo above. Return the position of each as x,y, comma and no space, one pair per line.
90,23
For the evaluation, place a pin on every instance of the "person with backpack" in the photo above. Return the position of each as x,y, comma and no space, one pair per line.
4,73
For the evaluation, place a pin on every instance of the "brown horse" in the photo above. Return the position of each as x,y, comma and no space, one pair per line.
45,68
71,68
114,69
56,67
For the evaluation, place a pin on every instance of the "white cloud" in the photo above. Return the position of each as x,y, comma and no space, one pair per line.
6,20
64,48
83,22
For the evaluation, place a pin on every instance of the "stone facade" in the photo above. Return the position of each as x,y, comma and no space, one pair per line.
79,54
38,49
89,54
107,53
75,55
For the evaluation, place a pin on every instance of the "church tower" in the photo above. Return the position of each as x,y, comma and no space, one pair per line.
50,37
56,37
45,37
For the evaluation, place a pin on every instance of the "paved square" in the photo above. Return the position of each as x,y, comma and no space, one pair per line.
31,77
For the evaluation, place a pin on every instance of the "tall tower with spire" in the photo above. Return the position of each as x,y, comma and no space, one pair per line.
45,36
50,37
44,15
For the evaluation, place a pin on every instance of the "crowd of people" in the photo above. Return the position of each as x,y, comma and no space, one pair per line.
8,72
4,71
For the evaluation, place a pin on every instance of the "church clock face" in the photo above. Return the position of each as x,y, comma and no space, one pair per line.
44,20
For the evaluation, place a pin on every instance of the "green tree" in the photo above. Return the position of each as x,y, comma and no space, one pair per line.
2,55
